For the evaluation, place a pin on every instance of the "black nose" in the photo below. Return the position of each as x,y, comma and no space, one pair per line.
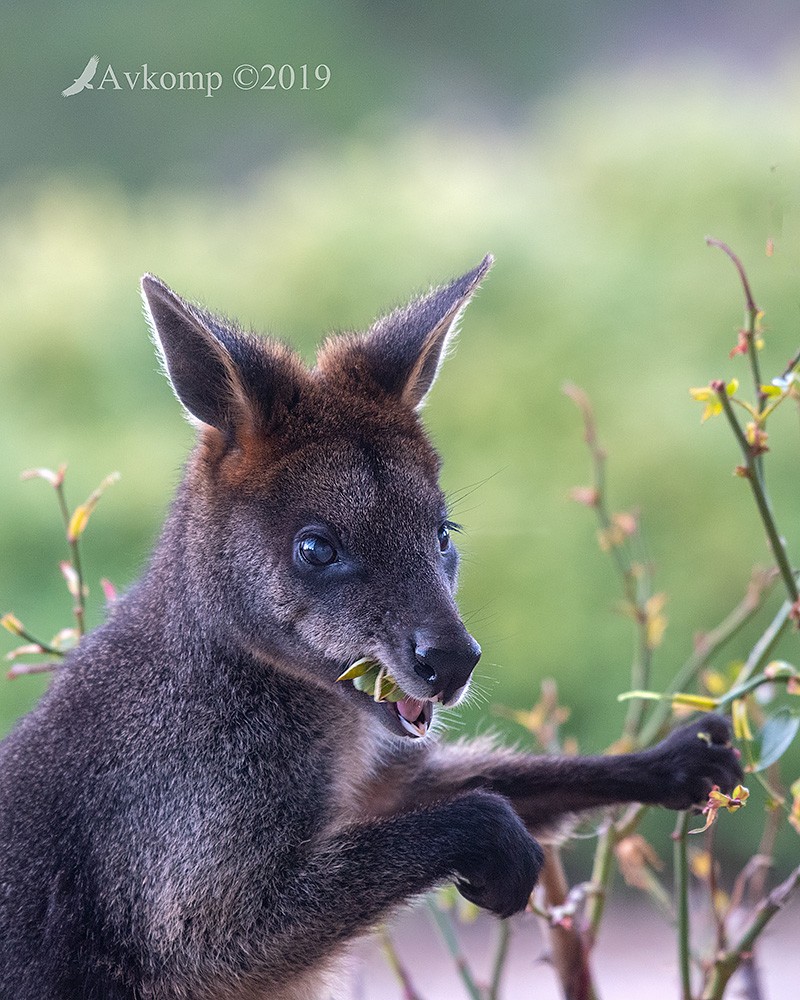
446,667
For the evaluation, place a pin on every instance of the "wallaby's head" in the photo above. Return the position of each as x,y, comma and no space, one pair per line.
316,532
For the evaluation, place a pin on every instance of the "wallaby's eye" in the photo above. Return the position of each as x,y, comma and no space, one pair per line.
316,551
443,534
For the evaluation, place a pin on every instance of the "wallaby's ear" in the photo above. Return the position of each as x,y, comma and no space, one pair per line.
407,347
402,352
238,383
201,370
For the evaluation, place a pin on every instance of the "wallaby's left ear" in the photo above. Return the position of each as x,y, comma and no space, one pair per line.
402,352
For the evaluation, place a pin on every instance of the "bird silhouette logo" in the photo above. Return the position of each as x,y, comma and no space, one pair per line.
82,82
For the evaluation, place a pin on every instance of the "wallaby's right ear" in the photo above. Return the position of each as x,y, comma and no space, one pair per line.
200,368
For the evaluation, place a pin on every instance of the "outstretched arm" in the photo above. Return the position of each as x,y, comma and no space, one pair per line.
677,773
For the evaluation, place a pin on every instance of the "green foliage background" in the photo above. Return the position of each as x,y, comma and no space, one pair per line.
593,184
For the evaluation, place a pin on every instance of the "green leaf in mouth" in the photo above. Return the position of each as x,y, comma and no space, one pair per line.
373,679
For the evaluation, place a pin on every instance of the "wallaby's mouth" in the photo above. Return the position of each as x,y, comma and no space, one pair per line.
415,716
371,677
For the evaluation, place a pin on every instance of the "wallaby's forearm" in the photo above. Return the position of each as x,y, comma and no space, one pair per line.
543,789
359,874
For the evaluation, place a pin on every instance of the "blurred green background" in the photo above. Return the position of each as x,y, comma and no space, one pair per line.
590,147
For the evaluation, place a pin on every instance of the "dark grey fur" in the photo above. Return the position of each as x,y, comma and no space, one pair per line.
196,809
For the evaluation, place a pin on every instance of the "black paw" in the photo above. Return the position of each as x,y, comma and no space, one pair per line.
499,868
691,760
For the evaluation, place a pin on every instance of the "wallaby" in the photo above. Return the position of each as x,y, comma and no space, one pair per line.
197,810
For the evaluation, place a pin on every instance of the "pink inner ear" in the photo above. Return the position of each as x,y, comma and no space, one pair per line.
430,359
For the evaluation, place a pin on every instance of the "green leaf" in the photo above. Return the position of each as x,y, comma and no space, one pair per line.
387,690
373,679
357,669
366,681
776,736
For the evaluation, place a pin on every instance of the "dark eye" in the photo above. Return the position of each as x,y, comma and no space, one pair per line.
443,534
316,551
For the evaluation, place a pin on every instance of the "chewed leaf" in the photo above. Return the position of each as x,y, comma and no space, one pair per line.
374,680
737,798
357,669
366,682
389,691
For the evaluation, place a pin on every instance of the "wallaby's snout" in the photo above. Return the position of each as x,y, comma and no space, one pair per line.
446,663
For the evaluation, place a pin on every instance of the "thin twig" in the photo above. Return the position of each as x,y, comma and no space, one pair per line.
713,890
766,847
79,608
12,624
569,947
752,312
762,501
795,361
748,295
727,963
445,927
602,870
705,649
767,641
744,878
398,968
682,903
499,963
636,586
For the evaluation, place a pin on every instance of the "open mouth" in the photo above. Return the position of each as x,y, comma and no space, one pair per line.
415,716
374,680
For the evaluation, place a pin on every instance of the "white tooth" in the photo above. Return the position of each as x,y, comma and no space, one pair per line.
408,726
413,728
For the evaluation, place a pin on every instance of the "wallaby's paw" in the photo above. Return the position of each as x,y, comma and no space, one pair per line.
499,869
694,758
